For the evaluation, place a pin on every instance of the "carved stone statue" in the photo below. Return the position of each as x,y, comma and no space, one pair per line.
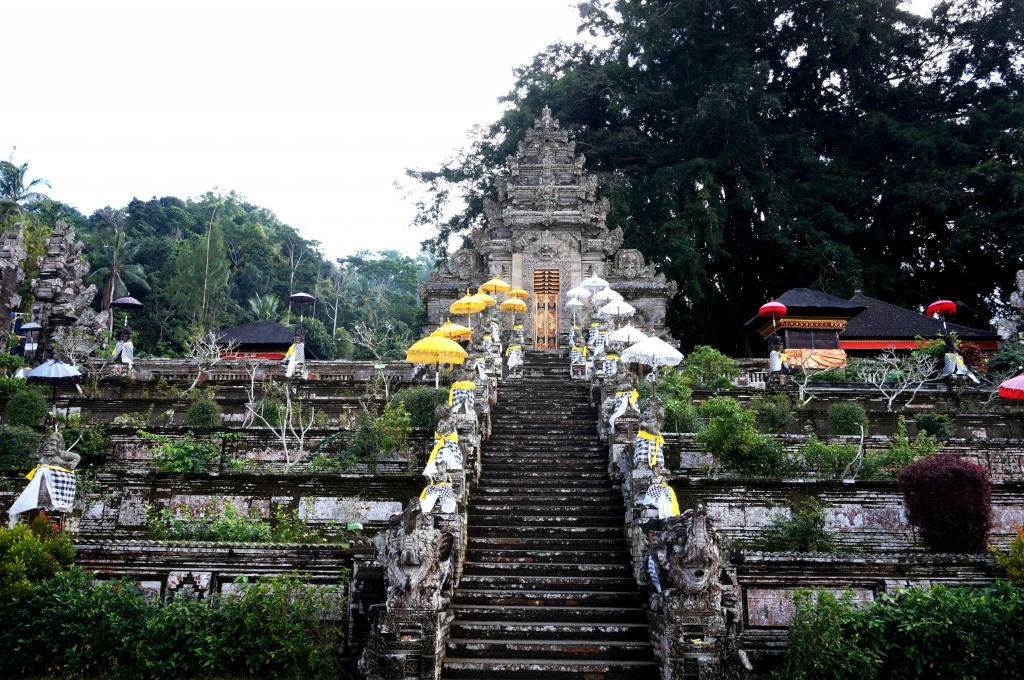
418,561
54,452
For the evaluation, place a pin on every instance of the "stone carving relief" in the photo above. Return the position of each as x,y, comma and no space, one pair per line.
690,554
12,272
419,560
465,263
629,264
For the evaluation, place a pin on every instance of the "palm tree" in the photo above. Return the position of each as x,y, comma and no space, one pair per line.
14,192
265,308
117,267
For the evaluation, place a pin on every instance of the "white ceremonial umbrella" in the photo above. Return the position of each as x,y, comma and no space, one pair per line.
618,309
627,335
578,293
604,296
574,304
653,352
594,283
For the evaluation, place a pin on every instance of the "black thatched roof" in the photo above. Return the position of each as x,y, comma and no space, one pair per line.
257,333
807,302
804,301
883,320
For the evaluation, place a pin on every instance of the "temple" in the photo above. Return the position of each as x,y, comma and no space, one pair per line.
546,233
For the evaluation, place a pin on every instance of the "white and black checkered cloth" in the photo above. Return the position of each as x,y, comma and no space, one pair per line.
662,497
463,400
572,336
481,369
622,403
577,355
437,492
61,486
652,571
646,449
611,367
599,341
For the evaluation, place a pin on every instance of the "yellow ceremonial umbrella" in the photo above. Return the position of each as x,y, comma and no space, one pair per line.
517,293
486,299
513,305
495,285
467,305
434,350
454,331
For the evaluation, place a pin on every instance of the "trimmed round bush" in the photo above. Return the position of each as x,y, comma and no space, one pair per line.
949,500
845,418
17,444
27,408
935,424
204,413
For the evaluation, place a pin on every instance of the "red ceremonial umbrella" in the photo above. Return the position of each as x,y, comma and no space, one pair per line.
1012,388
773,309
942,308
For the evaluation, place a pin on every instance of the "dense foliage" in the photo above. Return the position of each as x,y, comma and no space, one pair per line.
847,418
278,627
935,633
803,530
17,444
732,438
29,555
750,147
949,501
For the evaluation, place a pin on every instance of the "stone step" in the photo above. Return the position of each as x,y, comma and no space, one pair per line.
591,649
540,556
518,522
553,486
568,583
548,498
552,630
546,598
595,476
551,531
548,669
596,569
604,545
527,509
532,614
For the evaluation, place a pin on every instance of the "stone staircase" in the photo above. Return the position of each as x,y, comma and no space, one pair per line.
547,589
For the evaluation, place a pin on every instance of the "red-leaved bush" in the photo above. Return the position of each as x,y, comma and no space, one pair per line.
949,500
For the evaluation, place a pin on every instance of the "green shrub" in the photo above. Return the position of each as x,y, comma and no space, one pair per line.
903,451
1009,359
9,386
318,339
846,418
1011,561
17,444
27,408
204,413
707,368
917,633
29,555
838,374
803,531
419,402
277,627
89,440
187,454
270,409
227,524
776,411
732,438
10,363
934,424
831,459
949,501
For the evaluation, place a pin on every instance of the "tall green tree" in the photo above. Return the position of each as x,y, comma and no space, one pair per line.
750,147
17,191
116,267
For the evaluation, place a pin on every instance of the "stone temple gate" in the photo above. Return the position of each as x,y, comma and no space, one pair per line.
546,233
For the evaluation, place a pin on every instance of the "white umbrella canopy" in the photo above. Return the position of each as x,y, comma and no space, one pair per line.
617,309
578,293
606,295
575,304
652,352
627,335
594,283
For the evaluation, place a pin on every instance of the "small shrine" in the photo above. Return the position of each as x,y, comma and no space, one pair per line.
257,340
810,327
546,233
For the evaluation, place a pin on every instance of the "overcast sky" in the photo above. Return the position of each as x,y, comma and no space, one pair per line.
311,109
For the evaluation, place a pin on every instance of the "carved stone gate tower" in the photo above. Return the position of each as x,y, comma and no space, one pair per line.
546,233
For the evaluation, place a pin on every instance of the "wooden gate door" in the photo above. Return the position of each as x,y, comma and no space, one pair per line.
545,296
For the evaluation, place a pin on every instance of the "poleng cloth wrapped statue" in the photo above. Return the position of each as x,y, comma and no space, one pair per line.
438,491
611,365
124,352
647,448
515,355
575,335
577,355
663,497
294,357
462,396
480,366
446,448
624,399
519,334
488,343
60,487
